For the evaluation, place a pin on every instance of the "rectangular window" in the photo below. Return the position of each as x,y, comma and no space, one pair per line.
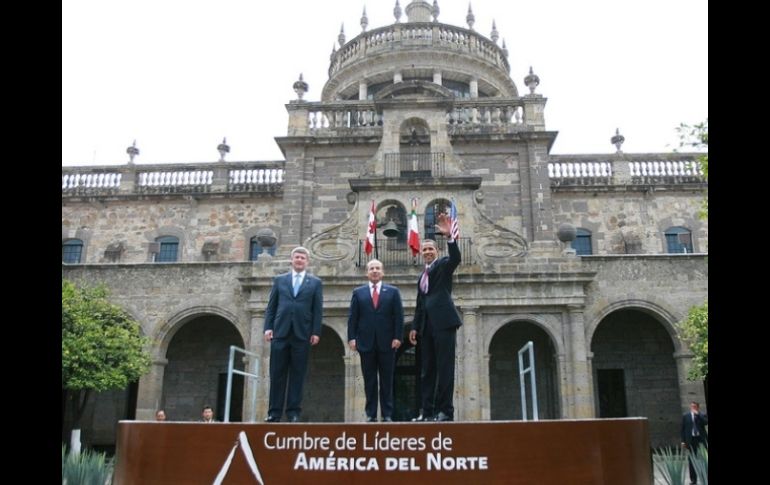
167,253
70,253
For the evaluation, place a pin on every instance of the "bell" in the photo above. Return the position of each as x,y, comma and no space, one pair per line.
390,229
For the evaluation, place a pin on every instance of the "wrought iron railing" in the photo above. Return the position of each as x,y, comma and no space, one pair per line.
397,253
414,165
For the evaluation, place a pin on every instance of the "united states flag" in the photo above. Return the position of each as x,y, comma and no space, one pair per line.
454,229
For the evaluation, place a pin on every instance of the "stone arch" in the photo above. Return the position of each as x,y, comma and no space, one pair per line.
196,345
171,325
324,390
503,344
658,311
634,370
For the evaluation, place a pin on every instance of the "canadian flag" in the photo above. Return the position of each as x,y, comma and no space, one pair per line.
369,245
414,231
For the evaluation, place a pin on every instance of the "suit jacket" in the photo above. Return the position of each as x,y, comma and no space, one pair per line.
437,304
701,420
301,314
375,329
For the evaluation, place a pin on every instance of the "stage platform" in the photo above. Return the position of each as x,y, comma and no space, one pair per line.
572,452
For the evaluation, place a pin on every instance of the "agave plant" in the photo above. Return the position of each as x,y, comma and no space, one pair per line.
700,461
86,468
670,463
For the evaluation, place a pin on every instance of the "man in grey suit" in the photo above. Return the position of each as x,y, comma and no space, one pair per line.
375,328
292,324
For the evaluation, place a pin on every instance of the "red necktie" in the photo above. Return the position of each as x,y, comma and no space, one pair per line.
375,297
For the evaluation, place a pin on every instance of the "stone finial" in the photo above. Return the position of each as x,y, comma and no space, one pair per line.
397,11
341,37
132,152
334,51
364,20
495,34
531,81
300,87
618,139
505,49
223,149
435,10
470,18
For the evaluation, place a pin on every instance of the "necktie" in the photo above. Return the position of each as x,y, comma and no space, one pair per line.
375,296
424,280
296,283
694,426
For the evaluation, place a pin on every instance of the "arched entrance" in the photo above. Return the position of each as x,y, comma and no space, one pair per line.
324,391
196,374
635,373
504,382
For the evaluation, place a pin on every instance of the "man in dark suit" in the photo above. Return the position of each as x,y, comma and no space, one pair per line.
375,325
694,433
292,324
436,321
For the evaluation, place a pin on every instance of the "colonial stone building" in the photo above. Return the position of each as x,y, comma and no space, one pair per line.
424,111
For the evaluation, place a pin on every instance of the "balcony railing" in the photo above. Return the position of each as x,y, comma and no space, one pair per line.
397,253
414,165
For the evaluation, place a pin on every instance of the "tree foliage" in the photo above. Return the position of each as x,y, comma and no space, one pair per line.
695,328
102,347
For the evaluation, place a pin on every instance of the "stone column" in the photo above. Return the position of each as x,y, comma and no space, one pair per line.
355,397
150,390
256,390
582,397
486,407
397,77
437,77
688,390
474,88
362,90
471,362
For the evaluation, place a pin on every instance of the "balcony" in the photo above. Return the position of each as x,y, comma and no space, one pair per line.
395,253
414,165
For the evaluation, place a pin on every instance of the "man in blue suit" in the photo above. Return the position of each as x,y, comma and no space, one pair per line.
436,321
375,326
694,433
292,324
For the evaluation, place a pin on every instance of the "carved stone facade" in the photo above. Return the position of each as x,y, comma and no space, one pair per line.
414,110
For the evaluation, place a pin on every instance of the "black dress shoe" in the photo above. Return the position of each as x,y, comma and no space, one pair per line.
443,417
421,418
370,419
294,419
272,419
387,419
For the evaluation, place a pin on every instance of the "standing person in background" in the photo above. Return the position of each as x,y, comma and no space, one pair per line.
694,433
375,326
207,415
292,324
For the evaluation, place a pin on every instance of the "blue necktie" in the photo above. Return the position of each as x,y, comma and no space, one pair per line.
296,283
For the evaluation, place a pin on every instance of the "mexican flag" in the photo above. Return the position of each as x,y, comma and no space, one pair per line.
414,231
369,245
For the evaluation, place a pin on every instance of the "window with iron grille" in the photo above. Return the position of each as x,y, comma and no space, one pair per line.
169,248
678,240
582,242
71,251
255,249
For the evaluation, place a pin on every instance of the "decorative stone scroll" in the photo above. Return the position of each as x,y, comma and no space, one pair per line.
336,243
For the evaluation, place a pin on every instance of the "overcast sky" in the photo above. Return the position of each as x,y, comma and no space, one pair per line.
179,75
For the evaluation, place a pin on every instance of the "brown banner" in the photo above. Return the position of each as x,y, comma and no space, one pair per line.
606,451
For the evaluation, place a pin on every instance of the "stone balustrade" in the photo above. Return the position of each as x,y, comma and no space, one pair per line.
169,179
636,169
431,35
324,116
489,111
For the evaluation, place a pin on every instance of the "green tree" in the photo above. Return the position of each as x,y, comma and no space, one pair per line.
695,328
102,347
